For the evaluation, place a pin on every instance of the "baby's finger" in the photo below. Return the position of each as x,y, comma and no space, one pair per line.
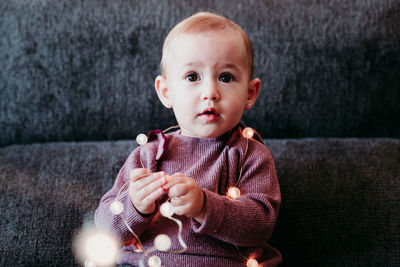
153,196
136,174
174,180
178,174
158,177
177,201
151,187
178,190
181,209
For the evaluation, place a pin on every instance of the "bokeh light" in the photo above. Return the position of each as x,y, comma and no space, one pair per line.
116,207
167,209
162,242
248,132
93,247
141,139
154,261
252,263
233,192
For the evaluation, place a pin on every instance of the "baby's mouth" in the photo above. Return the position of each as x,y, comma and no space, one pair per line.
209,114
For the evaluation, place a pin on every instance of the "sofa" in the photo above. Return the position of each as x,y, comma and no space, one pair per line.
76,88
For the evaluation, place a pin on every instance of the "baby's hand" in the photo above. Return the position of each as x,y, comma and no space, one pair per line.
145,188
186,196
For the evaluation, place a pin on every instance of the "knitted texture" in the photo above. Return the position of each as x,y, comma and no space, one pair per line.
215,164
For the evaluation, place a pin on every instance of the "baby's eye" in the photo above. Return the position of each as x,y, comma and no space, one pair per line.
192,77
226,77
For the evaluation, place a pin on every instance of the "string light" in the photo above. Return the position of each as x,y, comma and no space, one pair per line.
252,263
102,249
162,242
248,132
94,247
89,263
167,209
116,207
141,139
154,261
233,192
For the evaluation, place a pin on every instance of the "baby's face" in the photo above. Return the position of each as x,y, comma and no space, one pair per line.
207,80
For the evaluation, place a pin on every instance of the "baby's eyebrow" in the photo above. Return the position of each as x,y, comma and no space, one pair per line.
190,65
218,65
230,66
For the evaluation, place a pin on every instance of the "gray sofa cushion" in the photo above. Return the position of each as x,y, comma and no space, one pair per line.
340,199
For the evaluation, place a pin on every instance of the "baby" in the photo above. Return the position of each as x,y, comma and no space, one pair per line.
207,68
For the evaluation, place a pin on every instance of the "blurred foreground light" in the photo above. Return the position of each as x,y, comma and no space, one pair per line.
93,247
89,263
252,263
154,261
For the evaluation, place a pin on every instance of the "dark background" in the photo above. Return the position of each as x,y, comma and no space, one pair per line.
84,70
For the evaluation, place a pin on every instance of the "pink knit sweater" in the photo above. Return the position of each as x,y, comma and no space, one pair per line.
245,223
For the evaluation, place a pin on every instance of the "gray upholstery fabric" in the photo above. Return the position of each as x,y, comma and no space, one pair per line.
84,70
46,193
340,199
76,87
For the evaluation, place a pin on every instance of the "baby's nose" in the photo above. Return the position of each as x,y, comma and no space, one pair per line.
210,92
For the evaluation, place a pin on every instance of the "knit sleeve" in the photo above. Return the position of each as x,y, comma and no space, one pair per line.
106,220
249,219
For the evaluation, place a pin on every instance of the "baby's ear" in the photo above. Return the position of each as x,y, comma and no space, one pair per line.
253,90
162,91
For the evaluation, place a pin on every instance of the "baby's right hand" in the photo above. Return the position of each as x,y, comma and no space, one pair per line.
145,188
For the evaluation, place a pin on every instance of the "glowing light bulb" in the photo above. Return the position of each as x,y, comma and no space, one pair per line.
141,139
116,207
96,248
252,263
162,242
154,261
167,209
248,132
233,192
89,263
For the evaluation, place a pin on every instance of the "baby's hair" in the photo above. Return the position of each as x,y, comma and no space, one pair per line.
203,22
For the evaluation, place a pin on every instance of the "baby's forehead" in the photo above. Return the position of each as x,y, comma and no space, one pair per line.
175,41
208,41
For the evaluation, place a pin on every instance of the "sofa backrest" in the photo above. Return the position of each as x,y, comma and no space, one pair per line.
84,70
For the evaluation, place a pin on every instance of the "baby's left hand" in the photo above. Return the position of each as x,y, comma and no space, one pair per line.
186,196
